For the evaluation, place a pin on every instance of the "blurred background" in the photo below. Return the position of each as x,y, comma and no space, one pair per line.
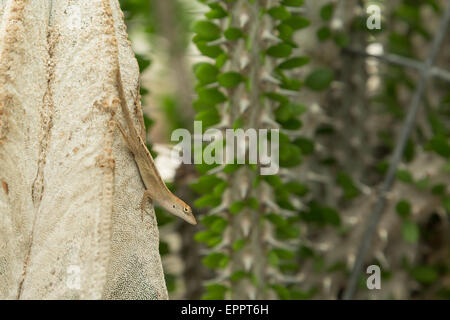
340,93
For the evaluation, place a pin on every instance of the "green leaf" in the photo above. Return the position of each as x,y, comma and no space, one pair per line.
208,220
163,217
253,203
143,62
208,118
274,181
410,231
403,208
292,3
291,84
323,33
216,12
321,215
285,32
220,189
148,122
233,34
331,216
294,63
438,189
423,183
281,50
215,292
347,185
425,274
306,252
276,219
238,275
280,13
208,237
289,231
206,73
326,12
404,176
291,156
303,295
440,145
382,167
284,254
320,79
216,260
230,79
276,97
297,188
205,184
238,245
446,167
219,225
238,123
163,248
221,60
297,22
446,203
307,146
231,168
282,292
409,152
283,113
209,51
207,201
272,258
341,39
236,207
207,30
211,96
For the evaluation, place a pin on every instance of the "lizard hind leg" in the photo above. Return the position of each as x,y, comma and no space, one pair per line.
147,196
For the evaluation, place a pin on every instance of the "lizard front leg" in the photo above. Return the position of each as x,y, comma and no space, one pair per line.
138,107
147,196
127,138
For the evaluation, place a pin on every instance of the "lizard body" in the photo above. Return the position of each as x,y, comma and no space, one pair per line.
156,189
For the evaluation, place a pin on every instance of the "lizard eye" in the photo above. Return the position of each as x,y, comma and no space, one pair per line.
173,206
186,209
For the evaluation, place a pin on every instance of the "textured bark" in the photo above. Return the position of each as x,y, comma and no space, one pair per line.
71,189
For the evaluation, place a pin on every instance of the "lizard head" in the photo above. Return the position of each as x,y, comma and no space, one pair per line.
182,210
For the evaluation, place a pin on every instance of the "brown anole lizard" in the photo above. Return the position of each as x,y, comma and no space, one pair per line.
156,189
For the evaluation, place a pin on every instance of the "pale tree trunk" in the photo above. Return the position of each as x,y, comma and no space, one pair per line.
70,222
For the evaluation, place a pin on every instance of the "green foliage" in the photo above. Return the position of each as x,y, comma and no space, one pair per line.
325,32
206,31
215,292
281,50
321,215
410,231
294,63
425,274
326,12
216,260
347,185
403,208
216,85
320,79
222,84
230,79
